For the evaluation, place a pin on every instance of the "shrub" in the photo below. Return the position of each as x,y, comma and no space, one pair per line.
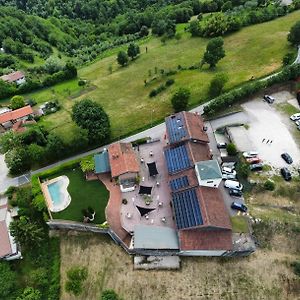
170,81
141,141
109,295
153,93
217,84
81,82
269,185
296,267
231,149
76,275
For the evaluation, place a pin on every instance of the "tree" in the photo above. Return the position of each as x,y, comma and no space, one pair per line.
55,146
294,35
133,50
180,99
7,279
30,293
26,232
144,31
17,102
217,84
90,115
194,28
18,160
269,185
109,295
214,52
36,153
122,58
8,141
53,65
288,59
231,149
87,164
76,275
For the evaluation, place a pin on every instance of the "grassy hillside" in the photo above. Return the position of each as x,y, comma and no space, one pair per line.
253,51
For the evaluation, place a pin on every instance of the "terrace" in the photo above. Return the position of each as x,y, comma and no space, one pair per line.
153,209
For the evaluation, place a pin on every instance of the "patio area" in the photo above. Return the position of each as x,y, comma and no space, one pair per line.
153,209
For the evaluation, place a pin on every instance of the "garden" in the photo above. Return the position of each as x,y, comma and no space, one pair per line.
85,196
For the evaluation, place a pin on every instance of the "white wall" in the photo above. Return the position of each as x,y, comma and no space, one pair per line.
203,253
21,81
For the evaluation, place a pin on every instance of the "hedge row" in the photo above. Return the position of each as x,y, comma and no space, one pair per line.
222,102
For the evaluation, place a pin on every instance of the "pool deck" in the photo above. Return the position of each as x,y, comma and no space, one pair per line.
47,196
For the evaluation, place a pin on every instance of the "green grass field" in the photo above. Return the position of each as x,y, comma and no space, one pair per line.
83,194
253,51
239,224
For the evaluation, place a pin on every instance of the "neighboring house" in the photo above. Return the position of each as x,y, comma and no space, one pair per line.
124,164
20,127
4,110
9,118
17,77
102,162
8,248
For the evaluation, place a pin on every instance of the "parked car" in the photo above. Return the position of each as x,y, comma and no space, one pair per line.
269,99
228,176
221,145
226,170
239,206
288,159
232,184
295,117
298,127
253,160
235,193
249,154
230,165
256,167
297,122
286,174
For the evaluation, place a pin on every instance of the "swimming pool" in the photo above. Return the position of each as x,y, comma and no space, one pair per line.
56,193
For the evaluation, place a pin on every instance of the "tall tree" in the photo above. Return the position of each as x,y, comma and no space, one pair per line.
26,232
8,281
90,115
133,50
180,99
17,102
294,35
214,52
122,58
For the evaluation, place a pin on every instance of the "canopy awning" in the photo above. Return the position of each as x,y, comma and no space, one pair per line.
152,169
145,190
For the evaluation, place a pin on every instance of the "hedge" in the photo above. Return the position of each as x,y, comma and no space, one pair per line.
248,89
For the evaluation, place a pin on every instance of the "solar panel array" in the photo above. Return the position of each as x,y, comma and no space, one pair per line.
187,209
179,183
176,128
177,159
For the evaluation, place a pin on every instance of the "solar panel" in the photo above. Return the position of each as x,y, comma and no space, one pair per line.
177,159
176,128
186,208
179,183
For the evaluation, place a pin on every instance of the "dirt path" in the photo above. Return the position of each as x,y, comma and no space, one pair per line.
264,275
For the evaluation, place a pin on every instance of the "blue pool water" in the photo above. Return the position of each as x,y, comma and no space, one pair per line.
56,195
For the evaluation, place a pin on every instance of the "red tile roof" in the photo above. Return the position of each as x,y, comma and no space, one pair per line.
16,114
122,159
19,125
214,212
199,239
12,77
198,152
194,124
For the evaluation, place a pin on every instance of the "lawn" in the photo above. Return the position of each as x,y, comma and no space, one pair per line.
83,194
253,51
239,224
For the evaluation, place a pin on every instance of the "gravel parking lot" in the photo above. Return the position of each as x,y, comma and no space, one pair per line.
268,124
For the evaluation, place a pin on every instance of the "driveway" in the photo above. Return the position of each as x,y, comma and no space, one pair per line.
232,119
267,124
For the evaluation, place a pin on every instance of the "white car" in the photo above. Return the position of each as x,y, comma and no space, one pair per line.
232,184
227,170
250,154
226,176
295,117
297,122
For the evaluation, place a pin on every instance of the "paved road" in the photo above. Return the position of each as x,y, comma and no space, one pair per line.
153,132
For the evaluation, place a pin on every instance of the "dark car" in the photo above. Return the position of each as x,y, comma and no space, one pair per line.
221,145
286,174
239,206
287,158
269,98
235,193
256,167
